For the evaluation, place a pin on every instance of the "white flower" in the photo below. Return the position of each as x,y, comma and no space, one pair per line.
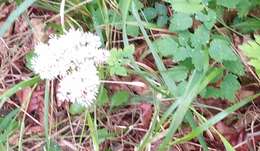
81,86
73,59
65,52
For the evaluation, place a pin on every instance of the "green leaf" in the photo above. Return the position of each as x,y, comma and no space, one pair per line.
118,59
162,21
119,98
235,67
249,25
181,54
256,64
252,50
220,51
211,92
5,122
139,5
243,7
28,58
19,86
131,29
150,13
200,59
229,86
212,121
184,103
184,38
181,88
180,22
208,19
102,98
178,73
200,36
161,9
165,46
228,3
76,108
187,6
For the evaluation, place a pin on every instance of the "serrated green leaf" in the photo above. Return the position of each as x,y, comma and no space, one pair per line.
185,6
118,70
229,86
150,13
184,38
161,9
181,54
200,59
180,22
165,46
178,73
119,98
228,3
118,59
200,36
235,67
220,50
211,92
162,21
208,19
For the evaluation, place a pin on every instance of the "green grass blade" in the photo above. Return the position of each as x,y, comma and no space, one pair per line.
186,100
166,77
93,131
147,137
124,7
14,15
213,73
17,87
199,130
191,121
46,113
227,145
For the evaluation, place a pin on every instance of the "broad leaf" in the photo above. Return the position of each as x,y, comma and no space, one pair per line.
229,86
228,3
165,46
235,67
200,59
178,73
252,50
200,36
220,51
187,6
119,98
180,22
150,13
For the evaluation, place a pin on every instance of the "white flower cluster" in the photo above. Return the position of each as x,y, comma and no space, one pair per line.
73,59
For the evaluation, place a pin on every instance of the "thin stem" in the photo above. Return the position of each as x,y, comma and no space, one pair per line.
133,83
